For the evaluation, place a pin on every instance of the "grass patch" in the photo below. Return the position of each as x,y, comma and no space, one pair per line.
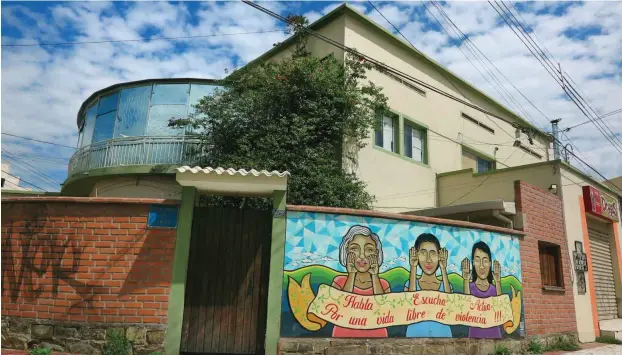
608,340
501,350
535,347
562,344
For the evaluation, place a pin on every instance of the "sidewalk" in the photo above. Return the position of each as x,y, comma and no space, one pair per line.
602,350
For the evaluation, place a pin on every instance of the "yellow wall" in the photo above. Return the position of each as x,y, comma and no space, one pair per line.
571,191
399,183
498,185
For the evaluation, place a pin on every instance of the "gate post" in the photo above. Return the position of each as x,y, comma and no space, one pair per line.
275,285
175,313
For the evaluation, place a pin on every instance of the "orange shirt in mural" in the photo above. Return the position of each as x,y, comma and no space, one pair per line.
339,332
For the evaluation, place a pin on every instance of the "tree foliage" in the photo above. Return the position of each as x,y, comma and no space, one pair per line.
302,114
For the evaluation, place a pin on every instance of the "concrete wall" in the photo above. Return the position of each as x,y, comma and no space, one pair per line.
74,267
575,220
397,182
466,187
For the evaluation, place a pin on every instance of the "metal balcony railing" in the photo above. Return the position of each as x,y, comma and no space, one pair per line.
134,151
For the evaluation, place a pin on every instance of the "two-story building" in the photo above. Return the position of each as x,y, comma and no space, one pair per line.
431,156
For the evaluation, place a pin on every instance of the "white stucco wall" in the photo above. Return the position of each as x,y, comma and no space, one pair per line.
138,187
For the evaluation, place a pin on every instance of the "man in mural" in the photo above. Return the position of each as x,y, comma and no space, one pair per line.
429,256
360,252
481,283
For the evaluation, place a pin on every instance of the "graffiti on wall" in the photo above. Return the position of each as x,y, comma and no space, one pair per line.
363,277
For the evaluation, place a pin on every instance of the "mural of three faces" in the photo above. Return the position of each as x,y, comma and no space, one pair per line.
476,277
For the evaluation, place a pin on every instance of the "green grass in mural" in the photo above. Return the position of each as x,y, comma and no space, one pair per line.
396,277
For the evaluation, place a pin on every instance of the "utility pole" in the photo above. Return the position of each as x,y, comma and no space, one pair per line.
556,140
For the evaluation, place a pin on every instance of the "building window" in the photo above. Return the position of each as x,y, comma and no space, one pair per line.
106,117
478,162
386,132
550,265
414,142
484,165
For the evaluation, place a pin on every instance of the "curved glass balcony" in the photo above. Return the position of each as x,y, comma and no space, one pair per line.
127,124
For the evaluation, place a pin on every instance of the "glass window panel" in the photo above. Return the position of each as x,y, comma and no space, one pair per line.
408,144
378,129
133,108
197,92
108,103
159,115
483,165
104,127
80,139
89,125
170,94
388,133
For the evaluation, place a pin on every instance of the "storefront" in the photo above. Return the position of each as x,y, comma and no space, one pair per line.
602,212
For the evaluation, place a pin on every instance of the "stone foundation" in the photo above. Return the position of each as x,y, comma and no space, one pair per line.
411,346
79,338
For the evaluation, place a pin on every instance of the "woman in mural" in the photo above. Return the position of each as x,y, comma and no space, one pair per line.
481,278
361,254
429,256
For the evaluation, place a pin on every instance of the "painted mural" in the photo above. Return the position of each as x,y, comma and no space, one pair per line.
363,277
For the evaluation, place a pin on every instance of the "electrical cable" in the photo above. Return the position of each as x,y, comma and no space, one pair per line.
36,140
599,118
31,168
468,39
547,65
386,67
29,183
138,40
390,69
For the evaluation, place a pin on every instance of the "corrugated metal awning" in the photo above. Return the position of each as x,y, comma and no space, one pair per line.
233,182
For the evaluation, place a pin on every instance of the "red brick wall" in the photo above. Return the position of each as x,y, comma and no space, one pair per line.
546,312
90,260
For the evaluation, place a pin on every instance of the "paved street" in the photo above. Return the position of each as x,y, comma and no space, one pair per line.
604,350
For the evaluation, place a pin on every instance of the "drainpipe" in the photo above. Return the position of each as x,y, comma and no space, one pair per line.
503,218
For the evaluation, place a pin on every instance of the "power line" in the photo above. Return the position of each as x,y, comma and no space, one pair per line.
138,40
468,39
385,67
547,64
31,168
36,140
598,118
389,68
29,183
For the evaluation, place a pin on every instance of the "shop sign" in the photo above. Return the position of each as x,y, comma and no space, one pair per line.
600,204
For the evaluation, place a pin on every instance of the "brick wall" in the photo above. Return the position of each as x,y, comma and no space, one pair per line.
546,312
85,260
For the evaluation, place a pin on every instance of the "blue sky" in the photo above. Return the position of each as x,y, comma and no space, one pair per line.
43,87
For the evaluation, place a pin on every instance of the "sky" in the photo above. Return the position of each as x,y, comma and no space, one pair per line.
44,86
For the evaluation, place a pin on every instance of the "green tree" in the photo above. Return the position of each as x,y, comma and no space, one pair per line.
303,114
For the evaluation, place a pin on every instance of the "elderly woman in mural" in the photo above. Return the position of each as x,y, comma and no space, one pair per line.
429,256
481,277
361,254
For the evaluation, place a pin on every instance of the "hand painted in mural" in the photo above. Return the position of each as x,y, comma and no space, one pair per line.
481,277
361,253
429,256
